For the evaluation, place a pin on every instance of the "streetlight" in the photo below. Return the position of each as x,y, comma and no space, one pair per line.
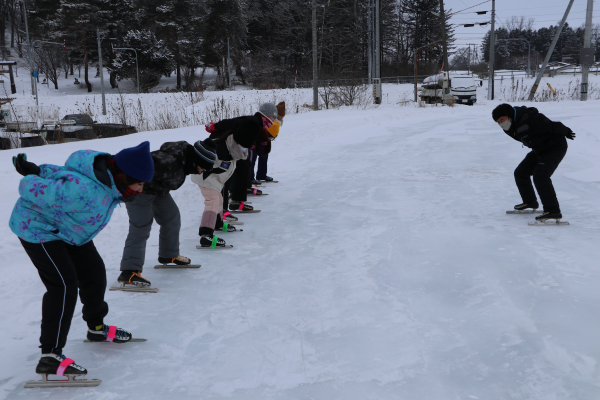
136,64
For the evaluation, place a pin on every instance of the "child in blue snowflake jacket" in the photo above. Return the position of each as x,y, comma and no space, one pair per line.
60,211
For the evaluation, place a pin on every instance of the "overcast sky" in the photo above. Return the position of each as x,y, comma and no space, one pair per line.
545,13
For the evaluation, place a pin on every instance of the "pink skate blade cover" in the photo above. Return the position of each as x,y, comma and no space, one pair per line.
241,206
63,366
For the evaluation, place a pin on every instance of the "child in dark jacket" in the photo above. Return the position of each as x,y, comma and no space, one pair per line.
172,163
548,143
60,211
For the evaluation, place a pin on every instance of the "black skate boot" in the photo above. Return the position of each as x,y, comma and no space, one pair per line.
255,182
524,206
225,227
254,191
133,278
240,206
104,333
52,364
179,260
208,241
229,217
268,179
548,215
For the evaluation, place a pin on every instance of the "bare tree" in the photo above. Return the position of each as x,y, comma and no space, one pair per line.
50,59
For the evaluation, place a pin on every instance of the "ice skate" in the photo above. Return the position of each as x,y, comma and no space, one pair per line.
525,208
52,364
106,333
256,192
240,207
267,179
227,216
227,227
135,279
549,218
212,242
175,262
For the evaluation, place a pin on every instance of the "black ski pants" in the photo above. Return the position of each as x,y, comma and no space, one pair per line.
541,167
63,269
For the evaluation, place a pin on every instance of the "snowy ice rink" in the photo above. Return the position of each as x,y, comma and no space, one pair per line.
382,266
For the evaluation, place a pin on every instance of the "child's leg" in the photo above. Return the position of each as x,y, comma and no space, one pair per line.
166,214
141,216
91,275
212,207
58,274
261,174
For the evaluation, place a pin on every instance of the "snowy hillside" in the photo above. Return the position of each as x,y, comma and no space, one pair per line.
382,266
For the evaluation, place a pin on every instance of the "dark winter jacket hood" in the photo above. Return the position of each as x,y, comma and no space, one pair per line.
172,163
536,131
234,125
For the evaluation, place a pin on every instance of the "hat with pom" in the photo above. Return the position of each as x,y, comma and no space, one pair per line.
136,162
268,110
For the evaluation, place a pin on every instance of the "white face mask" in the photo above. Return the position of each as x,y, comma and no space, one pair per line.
506,125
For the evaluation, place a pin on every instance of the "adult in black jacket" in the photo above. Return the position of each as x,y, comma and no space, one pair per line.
172,163
547,140
237,184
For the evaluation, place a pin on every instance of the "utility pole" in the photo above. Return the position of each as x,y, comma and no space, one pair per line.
101,73
315,60
33,91
369,38
492,53
469,60
377,54
550,50
549,54
445,47
587,53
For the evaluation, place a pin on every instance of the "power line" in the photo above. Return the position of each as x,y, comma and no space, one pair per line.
468,8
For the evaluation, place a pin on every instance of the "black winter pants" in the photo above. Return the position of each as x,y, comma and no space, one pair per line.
541,167
64,268
237,185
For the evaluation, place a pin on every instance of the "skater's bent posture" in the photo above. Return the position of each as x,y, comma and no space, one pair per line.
237,185
172,163
263,147
548,147
60,211
262,150
232,145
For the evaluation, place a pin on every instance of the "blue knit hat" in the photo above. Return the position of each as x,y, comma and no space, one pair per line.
136,162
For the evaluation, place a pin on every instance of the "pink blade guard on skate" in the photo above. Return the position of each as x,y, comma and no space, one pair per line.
255,191
63,366
226,214
241,206
112,332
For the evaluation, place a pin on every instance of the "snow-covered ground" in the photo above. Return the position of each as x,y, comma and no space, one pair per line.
382,266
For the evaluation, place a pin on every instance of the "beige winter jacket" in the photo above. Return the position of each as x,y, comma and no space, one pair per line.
216,181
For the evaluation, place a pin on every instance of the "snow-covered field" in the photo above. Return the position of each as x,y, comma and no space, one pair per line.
382,266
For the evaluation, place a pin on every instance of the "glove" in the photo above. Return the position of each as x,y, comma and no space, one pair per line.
210,128
570,135
24,167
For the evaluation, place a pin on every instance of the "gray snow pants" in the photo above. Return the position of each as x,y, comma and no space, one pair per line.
142,212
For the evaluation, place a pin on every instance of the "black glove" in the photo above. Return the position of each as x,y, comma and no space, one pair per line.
24,167
570,135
